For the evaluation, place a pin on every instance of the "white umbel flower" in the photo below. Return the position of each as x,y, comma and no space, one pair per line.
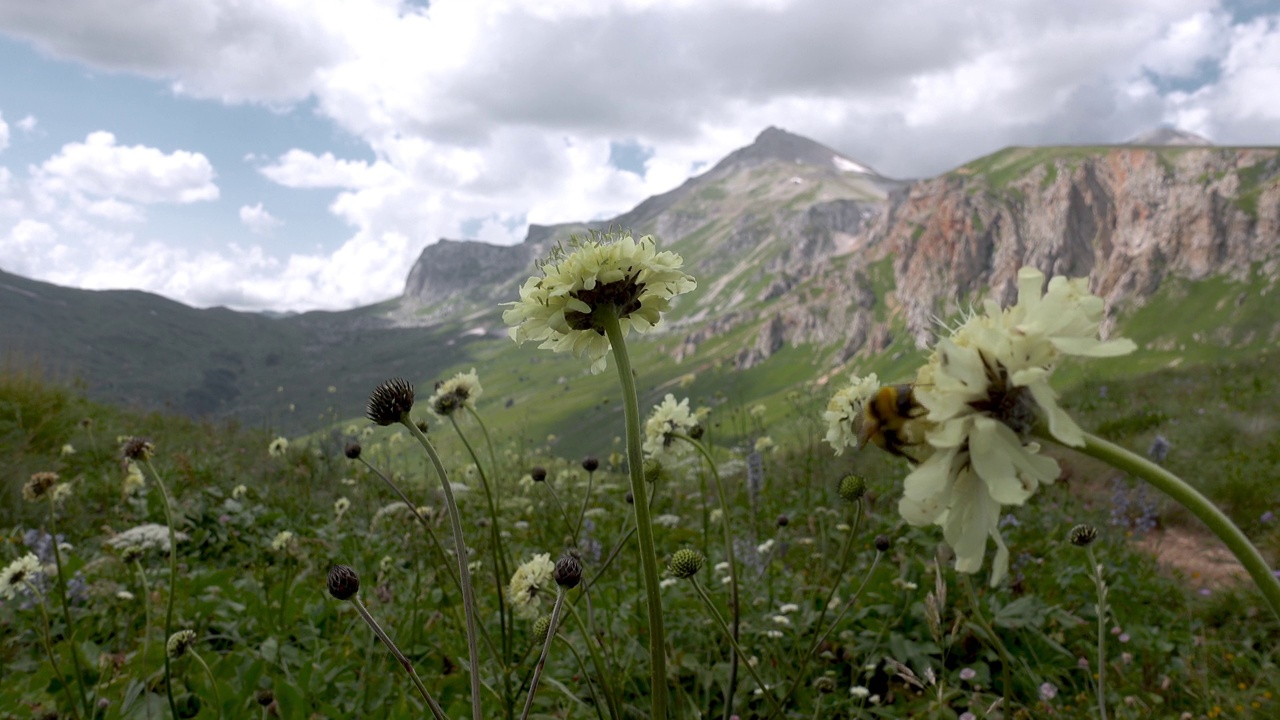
558,309
144,537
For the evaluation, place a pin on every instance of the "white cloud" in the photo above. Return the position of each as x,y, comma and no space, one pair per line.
258,220
99,167
27,124
4,133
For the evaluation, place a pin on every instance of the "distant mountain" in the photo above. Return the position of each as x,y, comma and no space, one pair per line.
808,262
1168,136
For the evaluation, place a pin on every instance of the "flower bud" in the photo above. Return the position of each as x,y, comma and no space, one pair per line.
882,543
852,488
390,401
568,572
590,463
783,521
343,582
137,448
541,627
1083,535
538,474
179,643
352,450
686,563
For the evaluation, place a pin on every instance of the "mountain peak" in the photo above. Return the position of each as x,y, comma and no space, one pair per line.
1168,136
774,143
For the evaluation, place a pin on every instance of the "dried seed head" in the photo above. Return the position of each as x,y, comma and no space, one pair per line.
852,488
590,463
37,488
343,582
1083,535
352,450
390,402
538,474
568,572
541,627
264,697
824,685
138,448
686,563
179,643
883,542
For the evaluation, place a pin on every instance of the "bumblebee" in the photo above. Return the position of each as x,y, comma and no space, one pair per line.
884,419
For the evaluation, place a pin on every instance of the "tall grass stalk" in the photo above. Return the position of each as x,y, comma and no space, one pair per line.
1100,584
173,581
47,637
436,710
737,649
546,650
66,608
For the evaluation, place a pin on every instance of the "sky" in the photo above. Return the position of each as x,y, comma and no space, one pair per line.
292,155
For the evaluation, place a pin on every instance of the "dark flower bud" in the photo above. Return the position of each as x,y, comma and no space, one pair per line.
343,582
852,488
390,401
1083,535
685,563
882,543
783,521
824,685
590,463
137,448
352,450
423,425
631,498
538,474
264,697
568,572
697,431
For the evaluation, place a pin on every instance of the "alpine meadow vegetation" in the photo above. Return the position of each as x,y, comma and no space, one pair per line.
943,547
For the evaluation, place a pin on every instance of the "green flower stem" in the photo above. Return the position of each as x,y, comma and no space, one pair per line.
488,441
435,541
146,611
582,512
1101,584
735,605
546,650
1006,662
607,316
48,641
1198,504
845,555
602,670
217,697
173,583
568,523
737,649
436,710
582,668
612,555
66,609
464,573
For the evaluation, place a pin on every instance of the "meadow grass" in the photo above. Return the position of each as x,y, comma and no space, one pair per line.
910,644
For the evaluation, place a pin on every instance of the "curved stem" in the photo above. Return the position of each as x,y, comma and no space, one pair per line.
145,596
66,609
464,572
217,697
582,668
1101,584
737,649
48,641
173,584
546,650
582,512
1198,504
1006,662
436,710
735,605
607,316
602,670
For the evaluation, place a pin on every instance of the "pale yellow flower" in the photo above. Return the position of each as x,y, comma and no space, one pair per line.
133,479
668,419
459,391
282,541
983,390
532,583
844,413
278,447
559,309
14,578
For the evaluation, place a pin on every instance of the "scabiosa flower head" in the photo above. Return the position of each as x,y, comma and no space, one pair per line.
137,448
685,563
341,506
783,521
38,486
590,463
390,401
352,450
538,474
457,392
1083,535
614,270
882,543
179,643
668,419
530,583
278,447
17,574
568,572
282,541
983,390
845,415
342,582
852,488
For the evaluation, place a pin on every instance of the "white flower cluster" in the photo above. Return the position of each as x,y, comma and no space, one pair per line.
530,584
668,419
144,537
457,392
17,574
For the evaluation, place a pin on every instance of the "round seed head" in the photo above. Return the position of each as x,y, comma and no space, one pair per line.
352,450
539,474
390,401
783,521
37,488
137,448
652,471
179,643
343,582
541,627
686,563
1083,535
590,463
825,685
568,572
631,498
882,543
852,488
